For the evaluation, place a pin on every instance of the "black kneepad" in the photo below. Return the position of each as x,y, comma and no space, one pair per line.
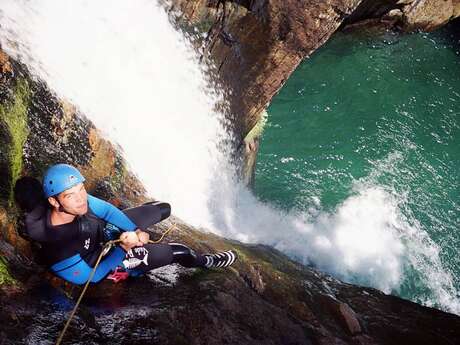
181,249
183,255
165,208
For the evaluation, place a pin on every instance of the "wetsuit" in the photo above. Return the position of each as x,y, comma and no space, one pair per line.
71,250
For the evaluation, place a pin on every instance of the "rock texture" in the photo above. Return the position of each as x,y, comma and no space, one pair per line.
264,299
427,15
409,15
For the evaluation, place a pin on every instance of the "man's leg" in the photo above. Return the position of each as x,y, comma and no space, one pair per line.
151,256
148,257
148,214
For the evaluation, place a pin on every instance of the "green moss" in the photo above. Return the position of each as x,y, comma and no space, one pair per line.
5,277
15,117
117,179
192,29
258,129
205,25
199,275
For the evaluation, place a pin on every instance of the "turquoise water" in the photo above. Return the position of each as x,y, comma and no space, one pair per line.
369,112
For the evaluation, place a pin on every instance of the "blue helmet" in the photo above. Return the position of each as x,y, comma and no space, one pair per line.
59,178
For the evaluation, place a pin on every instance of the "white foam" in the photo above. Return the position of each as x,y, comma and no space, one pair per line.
360,242
422,254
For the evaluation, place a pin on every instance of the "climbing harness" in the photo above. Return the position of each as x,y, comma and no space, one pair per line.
104,251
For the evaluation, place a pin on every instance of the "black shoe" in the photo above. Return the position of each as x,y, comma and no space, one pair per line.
222,259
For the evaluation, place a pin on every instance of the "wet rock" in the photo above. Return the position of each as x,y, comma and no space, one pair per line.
254,279
427,15
456,10
349,319
343,313
5,65
217,306
408,15
364,340
394,15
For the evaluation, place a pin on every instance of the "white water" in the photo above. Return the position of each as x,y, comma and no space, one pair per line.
135,77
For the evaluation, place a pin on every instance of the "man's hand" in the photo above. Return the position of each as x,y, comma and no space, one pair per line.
143,236
130,239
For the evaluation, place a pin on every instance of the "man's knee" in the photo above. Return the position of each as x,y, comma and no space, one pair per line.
149,213
165,208
183,255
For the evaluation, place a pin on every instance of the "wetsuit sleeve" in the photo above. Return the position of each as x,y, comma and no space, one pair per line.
105,210
75,270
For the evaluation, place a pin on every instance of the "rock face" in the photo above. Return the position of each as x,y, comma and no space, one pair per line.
36,130
428,15
409,15
264,299
257,44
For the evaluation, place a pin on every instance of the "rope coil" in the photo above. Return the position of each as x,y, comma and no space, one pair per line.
104,251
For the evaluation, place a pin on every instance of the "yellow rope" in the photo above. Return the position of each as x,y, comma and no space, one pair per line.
104,251
164,234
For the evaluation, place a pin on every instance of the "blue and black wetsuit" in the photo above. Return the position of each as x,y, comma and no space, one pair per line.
71,250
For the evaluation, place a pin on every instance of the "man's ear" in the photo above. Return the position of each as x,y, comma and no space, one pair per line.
53,202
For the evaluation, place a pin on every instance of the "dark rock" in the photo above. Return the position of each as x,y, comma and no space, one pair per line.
254,280
217,306
349,318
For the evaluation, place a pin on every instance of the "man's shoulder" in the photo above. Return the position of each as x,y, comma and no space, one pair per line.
38,212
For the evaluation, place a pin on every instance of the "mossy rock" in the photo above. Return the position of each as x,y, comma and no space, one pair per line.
5,181
14,131
5,277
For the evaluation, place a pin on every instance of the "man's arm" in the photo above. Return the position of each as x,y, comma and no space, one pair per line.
110,213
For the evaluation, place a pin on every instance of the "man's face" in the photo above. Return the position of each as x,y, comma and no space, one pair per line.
74,200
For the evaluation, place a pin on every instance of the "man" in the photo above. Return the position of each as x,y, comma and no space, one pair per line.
72,227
